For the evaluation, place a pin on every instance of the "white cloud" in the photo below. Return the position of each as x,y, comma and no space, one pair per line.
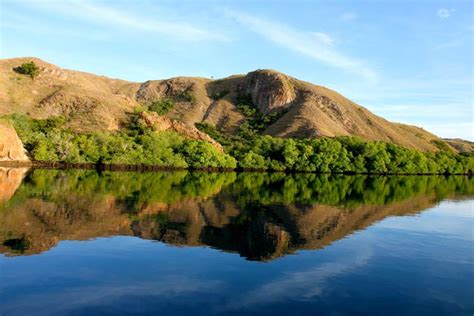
464,130
348,16
316,45
323,37
120,19
444,13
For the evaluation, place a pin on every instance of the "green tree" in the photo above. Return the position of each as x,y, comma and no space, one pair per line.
29,69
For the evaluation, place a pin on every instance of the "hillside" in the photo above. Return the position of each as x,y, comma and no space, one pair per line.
301,109
460,145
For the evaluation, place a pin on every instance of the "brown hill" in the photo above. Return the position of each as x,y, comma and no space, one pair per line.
96,102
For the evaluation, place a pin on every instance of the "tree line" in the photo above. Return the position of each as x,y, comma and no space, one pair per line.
49,141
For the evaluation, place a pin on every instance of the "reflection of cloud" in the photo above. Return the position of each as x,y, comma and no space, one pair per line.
52,303
303,285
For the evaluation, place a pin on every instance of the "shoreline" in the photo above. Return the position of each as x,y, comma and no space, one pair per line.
144,168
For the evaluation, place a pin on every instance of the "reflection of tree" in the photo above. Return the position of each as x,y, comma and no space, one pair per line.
347,191
261,216
132,188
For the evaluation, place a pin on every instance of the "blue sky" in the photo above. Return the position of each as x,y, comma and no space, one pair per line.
408,61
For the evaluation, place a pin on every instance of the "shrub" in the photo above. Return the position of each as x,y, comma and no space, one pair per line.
29,69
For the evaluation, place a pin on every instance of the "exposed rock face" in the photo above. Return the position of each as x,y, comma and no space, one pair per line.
162,123
152,90
269,90
11,147
66,103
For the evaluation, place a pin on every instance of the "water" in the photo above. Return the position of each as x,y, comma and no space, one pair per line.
78,242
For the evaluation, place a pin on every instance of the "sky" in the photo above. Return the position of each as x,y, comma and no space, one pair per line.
408,61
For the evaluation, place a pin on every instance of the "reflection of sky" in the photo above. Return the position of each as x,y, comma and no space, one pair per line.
453,219
402,265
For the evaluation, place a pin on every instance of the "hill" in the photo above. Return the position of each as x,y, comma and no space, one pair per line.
284,106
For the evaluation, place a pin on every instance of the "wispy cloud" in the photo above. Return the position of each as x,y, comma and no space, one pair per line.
316,45
444,13
348,16
120,19
464,130
26,24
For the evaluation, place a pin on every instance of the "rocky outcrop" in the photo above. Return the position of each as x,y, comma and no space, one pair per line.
269,90
161,123
11,147
153,90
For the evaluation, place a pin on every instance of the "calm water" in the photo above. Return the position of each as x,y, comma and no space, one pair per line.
82,243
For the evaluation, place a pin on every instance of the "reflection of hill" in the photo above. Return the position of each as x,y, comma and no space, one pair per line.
260,216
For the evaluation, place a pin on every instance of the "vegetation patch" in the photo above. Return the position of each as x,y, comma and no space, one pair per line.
441,145
245,105
49,141
256,121
166,104
162,106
